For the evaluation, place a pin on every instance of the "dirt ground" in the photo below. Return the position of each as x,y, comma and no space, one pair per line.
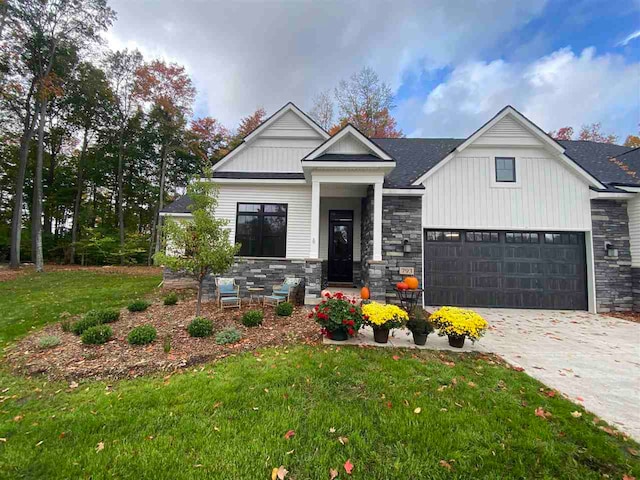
7,274
72,360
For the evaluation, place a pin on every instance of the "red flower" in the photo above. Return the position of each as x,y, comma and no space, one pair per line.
352,310
351,323
344,322
339,295
366,317
328,295
310,315
316,307
351,331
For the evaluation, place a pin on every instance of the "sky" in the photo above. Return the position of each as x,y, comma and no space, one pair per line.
452,64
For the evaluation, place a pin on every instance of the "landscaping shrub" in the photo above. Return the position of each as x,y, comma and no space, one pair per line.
142,335
97,335
138,306
166,344
252,318
66,325
103,316
48,341
284,309
79,326
171,299
228,335
200,327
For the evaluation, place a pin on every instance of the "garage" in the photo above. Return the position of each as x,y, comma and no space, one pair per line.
511,269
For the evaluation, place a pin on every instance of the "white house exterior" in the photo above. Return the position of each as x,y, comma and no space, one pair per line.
507,217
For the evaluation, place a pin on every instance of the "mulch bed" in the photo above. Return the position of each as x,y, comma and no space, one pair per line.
72,360
630,316
7,274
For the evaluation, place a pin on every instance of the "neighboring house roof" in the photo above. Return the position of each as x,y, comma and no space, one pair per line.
595,158
629,163
179,205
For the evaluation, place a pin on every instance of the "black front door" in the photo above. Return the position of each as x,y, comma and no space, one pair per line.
340,265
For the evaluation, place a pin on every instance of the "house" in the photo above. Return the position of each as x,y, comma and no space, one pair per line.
508,217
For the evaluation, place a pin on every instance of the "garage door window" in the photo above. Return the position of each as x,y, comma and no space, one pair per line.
561,238
485,237
442,236
521,237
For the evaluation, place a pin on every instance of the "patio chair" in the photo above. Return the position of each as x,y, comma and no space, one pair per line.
283,292
227,293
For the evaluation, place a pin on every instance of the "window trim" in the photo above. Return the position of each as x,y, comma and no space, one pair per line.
505,183
262,214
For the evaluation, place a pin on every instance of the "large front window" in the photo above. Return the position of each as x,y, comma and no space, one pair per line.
261,229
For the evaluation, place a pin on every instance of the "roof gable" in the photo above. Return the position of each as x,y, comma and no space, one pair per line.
349,141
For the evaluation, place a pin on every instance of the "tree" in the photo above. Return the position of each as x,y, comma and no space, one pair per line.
36,30
564,133
208,140
122,68
632,141
593,132
170,92
247,125
366,102
322,109
201,245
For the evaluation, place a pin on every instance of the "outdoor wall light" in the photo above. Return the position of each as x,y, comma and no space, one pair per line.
611,250
406,247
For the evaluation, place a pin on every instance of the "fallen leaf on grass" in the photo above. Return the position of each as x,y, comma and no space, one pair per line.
551,393
518,369
3,440
471,384
100,447
333,473
39,443
279,473
628,477
632,451
289,434
332,430
343,440
73,385
417,410
396,357
17,418
348,466
542,414
445,464
576,414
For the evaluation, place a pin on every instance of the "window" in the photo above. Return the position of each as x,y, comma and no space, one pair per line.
485,237
561,238
261,229
520,237
442,236
505,169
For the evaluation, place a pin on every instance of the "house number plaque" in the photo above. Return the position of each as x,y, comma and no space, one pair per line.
406,270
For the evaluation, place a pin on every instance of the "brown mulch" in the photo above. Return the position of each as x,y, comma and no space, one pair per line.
630,316
7,274
72,360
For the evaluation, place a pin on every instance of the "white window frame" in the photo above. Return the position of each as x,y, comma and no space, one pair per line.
518,172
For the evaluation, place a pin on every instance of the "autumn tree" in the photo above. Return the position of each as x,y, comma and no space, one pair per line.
208,140
322,109
169,91
564,133
247,125
632,141
593,132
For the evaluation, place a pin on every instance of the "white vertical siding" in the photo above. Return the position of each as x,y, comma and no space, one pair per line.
633,210
462,194
297,198
508,131
328,203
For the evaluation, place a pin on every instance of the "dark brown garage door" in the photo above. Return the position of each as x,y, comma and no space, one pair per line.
505,269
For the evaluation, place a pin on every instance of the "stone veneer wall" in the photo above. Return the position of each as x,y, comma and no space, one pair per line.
635,288
401,219
366,235
614,289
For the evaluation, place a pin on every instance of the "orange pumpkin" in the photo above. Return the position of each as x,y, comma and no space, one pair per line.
364,293
412,282
402,286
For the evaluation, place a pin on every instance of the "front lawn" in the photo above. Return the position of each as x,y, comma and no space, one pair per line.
33,300
392,414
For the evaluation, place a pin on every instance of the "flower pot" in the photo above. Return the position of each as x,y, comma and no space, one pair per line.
338,335
420,338
381,335
456,341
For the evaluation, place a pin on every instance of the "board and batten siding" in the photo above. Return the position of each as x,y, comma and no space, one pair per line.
297,198
548,196
633,210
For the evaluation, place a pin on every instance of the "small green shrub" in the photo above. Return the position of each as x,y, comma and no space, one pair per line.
103,316
166,344
200,327
228,335
97,335
79,326
171,299
66,325
252,318
284,309
48,341
138,306
142,335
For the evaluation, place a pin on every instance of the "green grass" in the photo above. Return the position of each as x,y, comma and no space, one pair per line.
33,300
228,420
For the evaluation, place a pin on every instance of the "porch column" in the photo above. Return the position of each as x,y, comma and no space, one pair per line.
314,243
377,222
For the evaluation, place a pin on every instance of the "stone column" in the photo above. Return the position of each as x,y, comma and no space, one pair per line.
377,280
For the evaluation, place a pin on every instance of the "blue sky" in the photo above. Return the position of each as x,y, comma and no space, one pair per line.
452,63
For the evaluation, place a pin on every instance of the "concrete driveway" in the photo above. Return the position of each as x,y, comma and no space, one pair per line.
593,359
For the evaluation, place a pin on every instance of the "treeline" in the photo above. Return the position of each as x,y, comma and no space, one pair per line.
93,142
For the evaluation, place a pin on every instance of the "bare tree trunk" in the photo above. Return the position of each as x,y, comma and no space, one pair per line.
199,298
16,221
163,174
78,199
36,212
152,238
120,190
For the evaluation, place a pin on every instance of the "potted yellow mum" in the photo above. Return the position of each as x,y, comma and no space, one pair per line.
458,324
383,318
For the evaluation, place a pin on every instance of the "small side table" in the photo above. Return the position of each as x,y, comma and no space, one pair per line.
255,295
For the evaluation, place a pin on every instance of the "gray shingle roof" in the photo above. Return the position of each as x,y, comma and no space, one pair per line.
179,205
594,157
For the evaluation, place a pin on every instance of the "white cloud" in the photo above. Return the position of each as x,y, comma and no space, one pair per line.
248,54
628,38
563,88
